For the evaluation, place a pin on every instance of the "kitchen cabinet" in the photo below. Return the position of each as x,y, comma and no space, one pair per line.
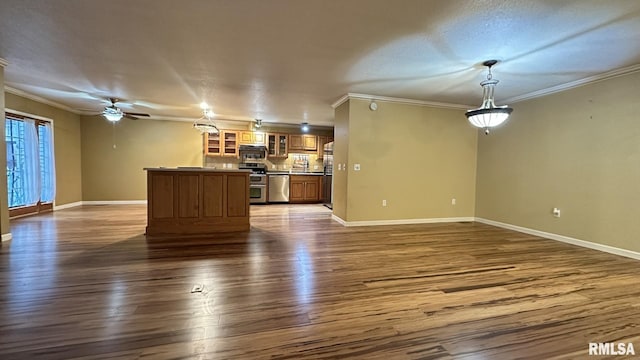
322,141
303,143
252,137
304,188
196,201
212,144
277,145
224,143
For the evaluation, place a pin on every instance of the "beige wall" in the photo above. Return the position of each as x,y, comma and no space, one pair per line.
340,156
418,158
110,173
578,150
66,137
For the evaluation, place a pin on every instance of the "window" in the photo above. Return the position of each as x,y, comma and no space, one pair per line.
30,165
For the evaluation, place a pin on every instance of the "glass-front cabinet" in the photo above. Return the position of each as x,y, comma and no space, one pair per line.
212,144
230,143
224,143
277,145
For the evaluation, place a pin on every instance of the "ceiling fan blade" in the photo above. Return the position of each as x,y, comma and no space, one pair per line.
130,117
136,114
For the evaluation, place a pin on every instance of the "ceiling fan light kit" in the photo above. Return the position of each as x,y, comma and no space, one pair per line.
488,115
114,113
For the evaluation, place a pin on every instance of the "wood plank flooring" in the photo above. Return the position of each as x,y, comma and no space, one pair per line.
85,283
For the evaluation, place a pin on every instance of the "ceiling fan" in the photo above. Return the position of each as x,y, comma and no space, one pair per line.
114,113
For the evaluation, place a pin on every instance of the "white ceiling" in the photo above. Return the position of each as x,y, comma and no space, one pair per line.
288,60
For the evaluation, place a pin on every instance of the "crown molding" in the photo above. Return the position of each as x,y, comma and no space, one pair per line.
348,96
340,101
39,99
574,84
3,62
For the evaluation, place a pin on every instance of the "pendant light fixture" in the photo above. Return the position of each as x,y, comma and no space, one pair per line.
205,124
488,115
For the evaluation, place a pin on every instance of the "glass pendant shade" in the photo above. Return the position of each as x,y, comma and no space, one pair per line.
205,125
488,115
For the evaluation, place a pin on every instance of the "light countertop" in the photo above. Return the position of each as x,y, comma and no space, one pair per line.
294,173
195,169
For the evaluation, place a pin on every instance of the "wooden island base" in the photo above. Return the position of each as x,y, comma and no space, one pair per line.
196,201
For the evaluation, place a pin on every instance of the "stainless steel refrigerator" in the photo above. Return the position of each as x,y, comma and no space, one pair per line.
327,180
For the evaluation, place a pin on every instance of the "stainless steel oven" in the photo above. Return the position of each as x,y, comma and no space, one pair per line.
258,189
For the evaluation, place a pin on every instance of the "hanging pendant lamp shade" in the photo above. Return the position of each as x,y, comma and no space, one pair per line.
205,124
488,115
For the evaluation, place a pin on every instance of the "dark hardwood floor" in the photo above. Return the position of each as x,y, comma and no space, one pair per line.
85,283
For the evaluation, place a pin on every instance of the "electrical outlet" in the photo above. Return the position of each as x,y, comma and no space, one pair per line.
453,201
384,202
556,212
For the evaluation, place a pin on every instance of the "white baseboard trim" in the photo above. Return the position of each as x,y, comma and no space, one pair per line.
6,237
401,221
99,202
116,202
66,206
338,220
569,240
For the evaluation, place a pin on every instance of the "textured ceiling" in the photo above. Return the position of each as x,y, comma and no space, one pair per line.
287,61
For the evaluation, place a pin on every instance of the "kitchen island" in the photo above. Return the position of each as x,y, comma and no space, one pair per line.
196,201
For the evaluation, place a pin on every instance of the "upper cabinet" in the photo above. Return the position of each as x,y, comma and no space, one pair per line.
322,140
304,143
252,137
230,143
224,143
212,144
277,145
